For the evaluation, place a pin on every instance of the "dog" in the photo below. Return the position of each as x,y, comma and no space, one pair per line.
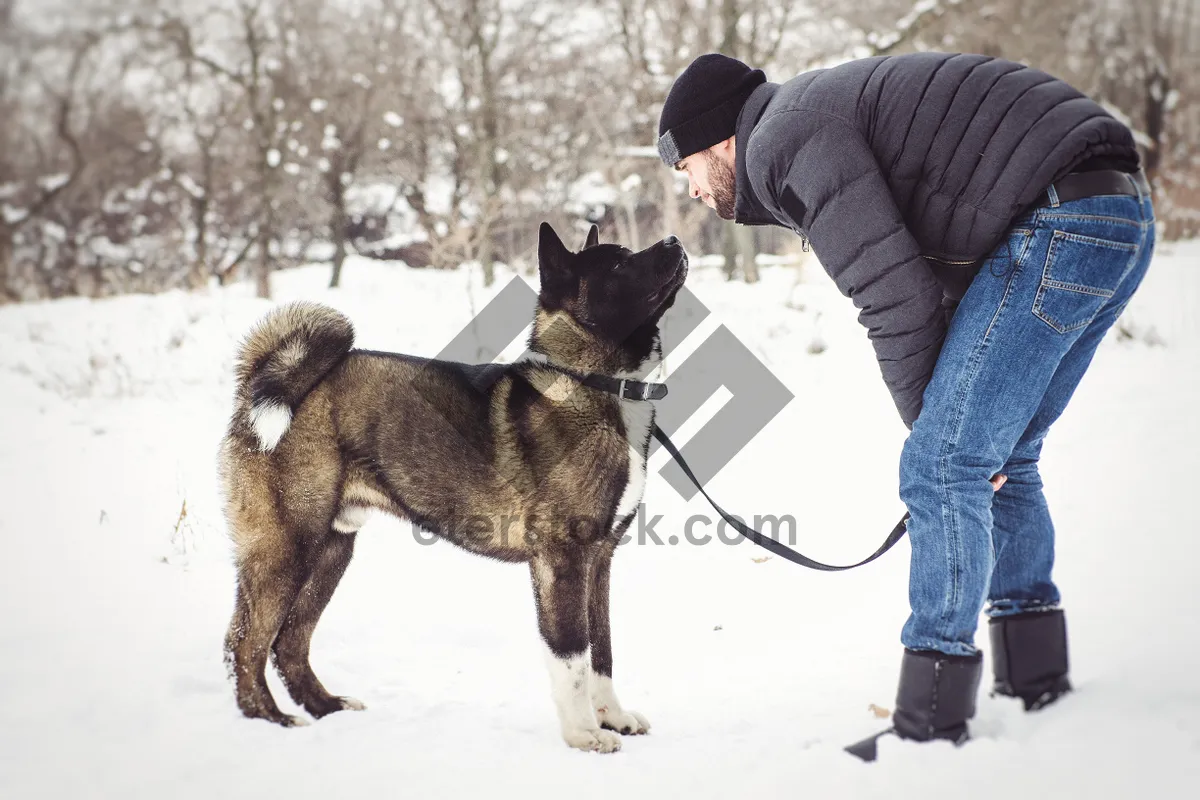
322,435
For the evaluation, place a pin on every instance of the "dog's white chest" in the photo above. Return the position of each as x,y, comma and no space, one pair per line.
637,417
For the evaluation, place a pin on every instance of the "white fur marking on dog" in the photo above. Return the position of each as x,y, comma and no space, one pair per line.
603,696
572,698
608,707
270,420
638,417
351,517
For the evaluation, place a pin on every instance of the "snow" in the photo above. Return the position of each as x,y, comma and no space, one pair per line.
590,193
190,186
754,674
51,183
12,215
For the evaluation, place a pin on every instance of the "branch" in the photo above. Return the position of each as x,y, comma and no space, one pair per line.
183,40
773,50
910,26
63,132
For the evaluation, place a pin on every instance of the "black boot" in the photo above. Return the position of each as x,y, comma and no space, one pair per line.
935,699
1029,656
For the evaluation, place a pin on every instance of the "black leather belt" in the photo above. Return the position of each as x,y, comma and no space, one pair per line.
1078,185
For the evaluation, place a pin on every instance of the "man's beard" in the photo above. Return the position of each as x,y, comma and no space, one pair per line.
723,183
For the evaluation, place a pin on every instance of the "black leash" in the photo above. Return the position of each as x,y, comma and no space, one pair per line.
642,390
778,548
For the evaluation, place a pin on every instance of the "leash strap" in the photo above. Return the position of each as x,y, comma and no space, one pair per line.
778,548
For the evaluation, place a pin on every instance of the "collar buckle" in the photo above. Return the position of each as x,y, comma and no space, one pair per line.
633,390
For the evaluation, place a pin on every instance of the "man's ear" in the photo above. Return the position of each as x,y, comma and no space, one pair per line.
593,238
726,149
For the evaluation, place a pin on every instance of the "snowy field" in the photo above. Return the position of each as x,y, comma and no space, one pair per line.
753,673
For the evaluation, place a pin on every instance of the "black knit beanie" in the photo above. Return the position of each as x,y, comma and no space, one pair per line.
703,105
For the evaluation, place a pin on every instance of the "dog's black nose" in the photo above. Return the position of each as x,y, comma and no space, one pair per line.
671,241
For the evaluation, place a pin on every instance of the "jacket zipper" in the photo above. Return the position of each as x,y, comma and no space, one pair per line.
948,261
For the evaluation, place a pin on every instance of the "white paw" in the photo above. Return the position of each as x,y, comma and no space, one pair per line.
290,721
351,704
621,721
594,740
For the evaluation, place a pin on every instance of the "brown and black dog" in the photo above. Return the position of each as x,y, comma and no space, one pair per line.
518,462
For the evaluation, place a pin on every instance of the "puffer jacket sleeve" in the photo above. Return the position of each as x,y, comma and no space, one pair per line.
823,179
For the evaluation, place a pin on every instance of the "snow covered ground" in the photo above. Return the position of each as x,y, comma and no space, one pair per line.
754,673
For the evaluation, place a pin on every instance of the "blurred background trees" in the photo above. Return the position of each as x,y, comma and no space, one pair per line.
154,144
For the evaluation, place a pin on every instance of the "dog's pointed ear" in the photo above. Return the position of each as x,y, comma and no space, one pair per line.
552,253
593,237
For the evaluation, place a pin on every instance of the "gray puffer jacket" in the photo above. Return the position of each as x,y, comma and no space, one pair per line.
904,172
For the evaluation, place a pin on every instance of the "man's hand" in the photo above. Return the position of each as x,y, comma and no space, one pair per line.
997,482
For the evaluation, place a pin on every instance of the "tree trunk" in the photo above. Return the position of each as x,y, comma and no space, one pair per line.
670,207
337,225
729,247
484,253
198,274
7,290
748,252
262,274
201,271
730,15
635,235
339,258
1158,87
488,158
262,267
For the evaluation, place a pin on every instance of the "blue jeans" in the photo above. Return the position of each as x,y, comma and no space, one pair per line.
1018,345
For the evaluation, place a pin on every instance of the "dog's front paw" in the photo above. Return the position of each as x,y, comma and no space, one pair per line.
594,740
621,721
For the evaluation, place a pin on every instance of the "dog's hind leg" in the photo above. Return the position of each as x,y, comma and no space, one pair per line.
603,697
269,575
329,559
560,584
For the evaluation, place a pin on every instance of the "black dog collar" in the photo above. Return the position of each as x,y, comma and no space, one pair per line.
624,388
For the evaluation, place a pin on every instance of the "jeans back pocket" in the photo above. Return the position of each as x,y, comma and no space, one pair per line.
1080,277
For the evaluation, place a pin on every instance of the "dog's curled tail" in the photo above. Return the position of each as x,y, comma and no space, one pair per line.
283,357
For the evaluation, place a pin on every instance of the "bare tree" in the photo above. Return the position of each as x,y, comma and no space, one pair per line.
157,143
258,71
43,187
